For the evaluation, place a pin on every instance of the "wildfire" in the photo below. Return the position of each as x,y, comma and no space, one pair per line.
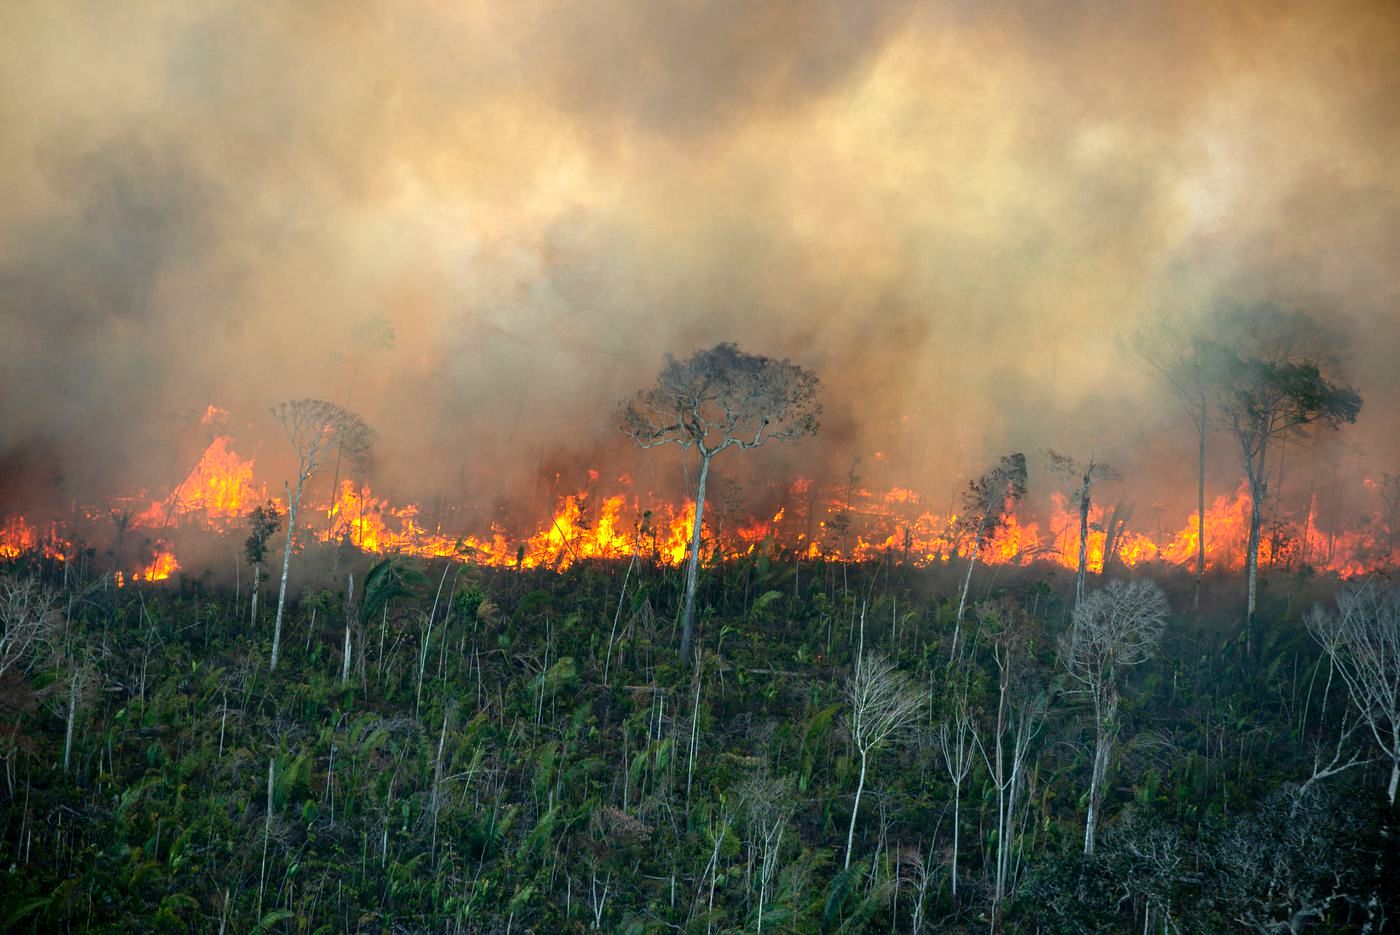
17,538
218,489
163,566
860,526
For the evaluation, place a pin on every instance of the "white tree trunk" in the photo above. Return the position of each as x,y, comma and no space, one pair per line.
855,810
1095,792
693,572
257,578
75,686
349,613
953,875
286,566
1394,778
962,604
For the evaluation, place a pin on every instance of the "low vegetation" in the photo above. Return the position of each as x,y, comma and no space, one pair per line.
523,751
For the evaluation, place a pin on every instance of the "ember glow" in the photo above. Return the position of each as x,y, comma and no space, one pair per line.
588,525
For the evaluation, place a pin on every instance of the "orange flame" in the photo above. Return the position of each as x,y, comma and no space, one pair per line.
862,526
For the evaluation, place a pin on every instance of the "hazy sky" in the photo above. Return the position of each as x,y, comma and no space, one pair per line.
947,210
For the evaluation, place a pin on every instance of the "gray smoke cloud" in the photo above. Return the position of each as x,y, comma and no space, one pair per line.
948,214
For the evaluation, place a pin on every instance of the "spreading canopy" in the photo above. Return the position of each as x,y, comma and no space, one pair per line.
720,398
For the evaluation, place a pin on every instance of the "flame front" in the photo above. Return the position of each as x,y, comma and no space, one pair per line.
860,526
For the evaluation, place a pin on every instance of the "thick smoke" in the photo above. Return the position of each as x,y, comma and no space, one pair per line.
949,216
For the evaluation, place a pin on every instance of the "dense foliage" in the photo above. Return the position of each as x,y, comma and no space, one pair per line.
520,751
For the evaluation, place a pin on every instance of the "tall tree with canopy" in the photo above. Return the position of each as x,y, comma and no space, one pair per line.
1269,384
315,428
716,399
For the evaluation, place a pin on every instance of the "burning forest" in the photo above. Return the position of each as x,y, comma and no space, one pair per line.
698,468
608,518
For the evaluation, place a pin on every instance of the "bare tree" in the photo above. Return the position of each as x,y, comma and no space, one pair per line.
1269,385
374,333
716,399
314,427
987,503
29,622
912,869
1363,641
768,803
956,741
1019,717
883,702
1085,476
1113,628
1176,354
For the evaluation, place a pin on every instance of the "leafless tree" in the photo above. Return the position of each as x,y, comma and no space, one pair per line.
1113,628
1363,641
375,333
314,427
1084,476
1019,717
986,504
716,399
956,743
912,869
29,621
767,800
1282,868
883,702
1176,353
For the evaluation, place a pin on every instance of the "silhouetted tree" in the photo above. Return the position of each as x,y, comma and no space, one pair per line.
1084,476
375,333
314,427
1269,387
716,399
987,503
263,521
1177,354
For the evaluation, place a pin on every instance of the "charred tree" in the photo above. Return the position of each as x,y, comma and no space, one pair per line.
713,400
1084,476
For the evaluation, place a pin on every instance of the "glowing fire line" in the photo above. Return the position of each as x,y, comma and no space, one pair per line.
220,490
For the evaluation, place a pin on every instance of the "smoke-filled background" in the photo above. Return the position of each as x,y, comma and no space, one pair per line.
949,212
